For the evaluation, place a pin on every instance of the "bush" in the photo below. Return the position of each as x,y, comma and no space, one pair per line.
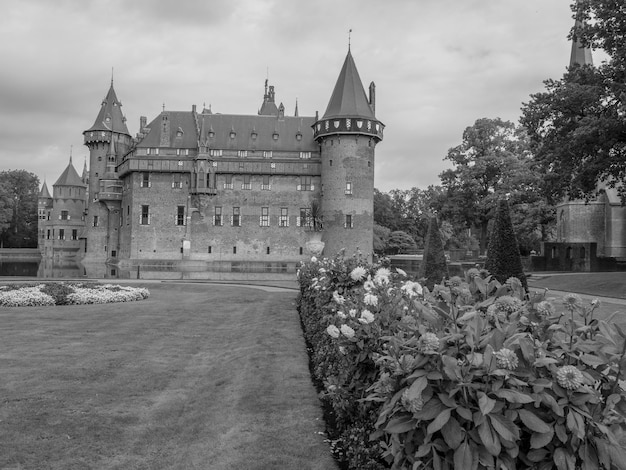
503,256
472,374
434,267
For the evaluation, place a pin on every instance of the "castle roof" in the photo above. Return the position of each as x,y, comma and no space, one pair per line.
44,193
110,117
69,177
348,98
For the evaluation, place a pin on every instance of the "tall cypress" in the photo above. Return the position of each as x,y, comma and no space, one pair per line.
503,256
434,267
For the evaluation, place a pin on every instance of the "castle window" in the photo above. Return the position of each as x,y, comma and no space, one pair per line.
275,136
228,181
65,215
305,154
348,188
246,182
144,218
234,250
253,135
147,151
582,252
48,215
233,134
266,183
156,151
267,154
145,180
264,220
301,250
236,218
177,183
74,234
369,164
284,217
299,136
305,218
217,216
48,234
210,249
215,153
305,184
241,165
267,250
242,153
177,151
180,215
61,234
331,162
348,222
95,220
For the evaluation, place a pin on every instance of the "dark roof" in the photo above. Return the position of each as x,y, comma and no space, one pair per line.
178,121
348,98
110,116
44,193
69,177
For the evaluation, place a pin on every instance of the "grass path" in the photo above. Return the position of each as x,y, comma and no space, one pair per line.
195,377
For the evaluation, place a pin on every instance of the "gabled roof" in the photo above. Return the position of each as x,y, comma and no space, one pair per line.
69,177
110,116
44,193
348,98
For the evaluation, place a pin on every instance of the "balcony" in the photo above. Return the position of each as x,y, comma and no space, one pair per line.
110,190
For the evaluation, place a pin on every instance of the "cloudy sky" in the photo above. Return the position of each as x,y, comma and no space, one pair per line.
438,66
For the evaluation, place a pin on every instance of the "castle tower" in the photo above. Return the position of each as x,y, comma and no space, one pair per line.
347,134
108,141
581,55
44,207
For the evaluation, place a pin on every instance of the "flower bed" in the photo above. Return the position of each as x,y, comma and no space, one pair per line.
65,293
471,375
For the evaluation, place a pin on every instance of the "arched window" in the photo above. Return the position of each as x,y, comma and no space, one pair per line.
568,253
553,252
582,252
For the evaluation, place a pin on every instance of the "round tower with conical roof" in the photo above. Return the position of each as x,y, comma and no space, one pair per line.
108,141
348,133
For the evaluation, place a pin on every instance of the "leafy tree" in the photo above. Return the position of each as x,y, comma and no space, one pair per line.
434,267
492,161
503,256
19,190
381,238
400,242
578,124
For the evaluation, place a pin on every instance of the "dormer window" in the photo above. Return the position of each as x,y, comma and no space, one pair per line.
299,136
254,135
275,136
233,134
179,132
211,134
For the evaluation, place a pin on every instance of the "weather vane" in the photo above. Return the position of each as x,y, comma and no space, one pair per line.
349,35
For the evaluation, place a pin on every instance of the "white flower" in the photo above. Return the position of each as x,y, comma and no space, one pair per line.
411,288
366,317
358,273
338,298
369,284
321,270
401,272
352,312
370,299
333,331
313,259
382,276
342,315
347,331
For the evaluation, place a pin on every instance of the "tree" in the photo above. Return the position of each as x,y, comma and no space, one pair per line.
400,242
434,267
578,124
492,161
503,257
381,237
19,191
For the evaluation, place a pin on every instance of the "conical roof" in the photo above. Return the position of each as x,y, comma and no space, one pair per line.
44,193
110,116
69,177
349,98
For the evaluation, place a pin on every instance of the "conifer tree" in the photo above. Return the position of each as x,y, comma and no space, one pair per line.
503,256
434,267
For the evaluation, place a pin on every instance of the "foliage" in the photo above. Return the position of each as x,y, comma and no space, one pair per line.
577,124
434,267
400,242
503,257
381,237
471,375
66,293
493,159
19,191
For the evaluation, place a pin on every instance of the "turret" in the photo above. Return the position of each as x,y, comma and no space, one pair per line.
581,54
44,207
348,133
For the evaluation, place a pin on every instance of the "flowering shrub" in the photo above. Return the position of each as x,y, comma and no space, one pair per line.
471,375
56,293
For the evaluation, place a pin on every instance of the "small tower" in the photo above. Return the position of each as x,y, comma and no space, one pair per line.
44,208
108,141
581,55
348,133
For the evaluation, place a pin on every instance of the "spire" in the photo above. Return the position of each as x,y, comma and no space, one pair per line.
44,193
581,55
296,112
348,98
110,117
268,108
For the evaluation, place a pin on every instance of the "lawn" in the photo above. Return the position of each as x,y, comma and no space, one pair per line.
195,377
610,284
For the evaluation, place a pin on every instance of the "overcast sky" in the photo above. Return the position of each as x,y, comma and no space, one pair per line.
438,66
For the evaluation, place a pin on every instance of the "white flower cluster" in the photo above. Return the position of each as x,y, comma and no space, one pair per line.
106,293
25,297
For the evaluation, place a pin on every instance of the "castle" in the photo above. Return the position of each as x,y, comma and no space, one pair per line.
236,192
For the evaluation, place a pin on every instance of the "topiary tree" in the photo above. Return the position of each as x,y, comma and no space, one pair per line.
400,242
503,256
434,267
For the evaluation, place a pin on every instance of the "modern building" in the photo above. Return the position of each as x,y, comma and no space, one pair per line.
235,192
